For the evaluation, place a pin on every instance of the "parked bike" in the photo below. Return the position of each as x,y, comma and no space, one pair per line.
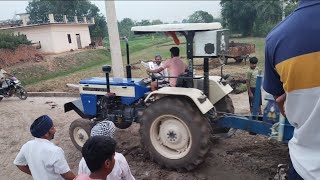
12,86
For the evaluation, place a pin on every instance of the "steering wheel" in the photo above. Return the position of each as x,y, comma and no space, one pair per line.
153,76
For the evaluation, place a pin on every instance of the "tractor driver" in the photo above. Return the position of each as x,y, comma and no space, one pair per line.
175,66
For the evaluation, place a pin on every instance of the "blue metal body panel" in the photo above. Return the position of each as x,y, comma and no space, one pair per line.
89,102
140,88
256,123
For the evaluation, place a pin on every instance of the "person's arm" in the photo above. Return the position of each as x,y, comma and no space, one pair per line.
248,76
280,101
8,74
21,162
68,175
272,83
24,169
155,70
60,165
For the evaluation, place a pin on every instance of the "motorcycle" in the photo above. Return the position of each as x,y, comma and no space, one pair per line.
12,86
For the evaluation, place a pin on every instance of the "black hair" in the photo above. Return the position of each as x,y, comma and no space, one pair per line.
253,60
97,150
175,51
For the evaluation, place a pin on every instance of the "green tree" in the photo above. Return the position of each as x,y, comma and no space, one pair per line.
239,16
39,10
125,26
200,17
253,17
10,41
156,21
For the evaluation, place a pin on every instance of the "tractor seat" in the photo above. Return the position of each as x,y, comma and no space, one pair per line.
184,81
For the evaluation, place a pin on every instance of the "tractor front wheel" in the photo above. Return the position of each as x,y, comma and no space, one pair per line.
79,132
175,133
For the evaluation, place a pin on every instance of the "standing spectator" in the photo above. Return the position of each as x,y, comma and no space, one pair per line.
121,168
292,77
40,158
98,152
251,80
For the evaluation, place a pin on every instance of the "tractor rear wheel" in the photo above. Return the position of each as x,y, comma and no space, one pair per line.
224,105
175,133
79,132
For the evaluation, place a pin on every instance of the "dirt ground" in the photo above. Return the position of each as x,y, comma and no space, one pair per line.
242,156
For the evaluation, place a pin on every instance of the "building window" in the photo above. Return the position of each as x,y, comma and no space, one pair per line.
69,38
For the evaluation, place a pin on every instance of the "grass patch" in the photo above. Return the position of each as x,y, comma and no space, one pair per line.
59,67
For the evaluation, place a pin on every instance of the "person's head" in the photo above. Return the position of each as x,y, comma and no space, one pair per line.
43,127
98,153
175,52
253,62
103,128
157,59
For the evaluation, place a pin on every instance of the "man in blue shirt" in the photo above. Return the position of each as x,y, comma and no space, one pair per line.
292,75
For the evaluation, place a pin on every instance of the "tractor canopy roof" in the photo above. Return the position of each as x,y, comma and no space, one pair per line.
176,27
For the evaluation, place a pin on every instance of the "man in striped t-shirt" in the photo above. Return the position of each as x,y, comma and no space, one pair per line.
292,68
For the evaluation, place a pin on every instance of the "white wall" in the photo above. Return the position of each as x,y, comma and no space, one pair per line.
36,34
54,38
60,33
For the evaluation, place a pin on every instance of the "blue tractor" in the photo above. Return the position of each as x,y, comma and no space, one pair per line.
176,123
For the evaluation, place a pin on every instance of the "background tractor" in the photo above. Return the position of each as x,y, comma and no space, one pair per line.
176,123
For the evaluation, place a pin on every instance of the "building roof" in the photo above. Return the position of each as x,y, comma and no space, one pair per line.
176,27
45,24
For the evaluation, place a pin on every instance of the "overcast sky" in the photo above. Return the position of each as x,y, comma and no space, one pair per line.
167,11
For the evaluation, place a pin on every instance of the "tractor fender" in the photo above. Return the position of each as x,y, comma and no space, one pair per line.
196,95
217,89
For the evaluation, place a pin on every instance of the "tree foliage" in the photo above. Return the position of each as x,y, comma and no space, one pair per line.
10,41
39,10
200,17
252,17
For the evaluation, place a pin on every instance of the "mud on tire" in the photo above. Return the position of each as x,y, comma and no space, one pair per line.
223,105
175,133
79,132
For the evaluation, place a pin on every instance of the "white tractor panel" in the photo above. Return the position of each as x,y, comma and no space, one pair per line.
210,43
125,91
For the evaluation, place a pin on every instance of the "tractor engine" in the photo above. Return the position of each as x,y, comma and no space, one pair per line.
110,107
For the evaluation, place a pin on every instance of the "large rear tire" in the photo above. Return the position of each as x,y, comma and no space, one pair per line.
224,105
175,133
79,132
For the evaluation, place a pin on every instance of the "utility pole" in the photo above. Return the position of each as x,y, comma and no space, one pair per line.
114,39
283,12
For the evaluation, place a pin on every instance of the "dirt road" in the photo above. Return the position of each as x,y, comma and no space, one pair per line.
240,157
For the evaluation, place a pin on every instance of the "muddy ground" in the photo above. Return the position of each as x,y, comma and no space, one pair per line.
242,156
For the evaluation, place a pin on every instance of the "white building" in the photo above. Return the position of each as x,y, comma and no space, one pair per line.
55,36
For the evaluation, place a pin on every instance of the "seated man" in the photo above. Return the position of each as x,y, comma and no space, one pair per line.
175,66
156,64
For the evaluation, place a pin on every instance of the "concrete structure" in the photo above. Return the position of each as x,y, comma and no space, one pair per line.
53,36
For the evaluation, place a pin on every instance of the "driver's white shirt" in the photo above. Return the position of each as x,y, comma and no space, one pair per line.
46,161
154,66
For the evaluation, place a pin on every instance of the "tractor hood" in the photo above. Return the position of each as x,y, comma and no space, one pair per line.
176,27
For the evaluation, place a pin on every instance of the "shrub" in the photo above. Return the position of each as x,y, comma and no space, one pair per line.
10,41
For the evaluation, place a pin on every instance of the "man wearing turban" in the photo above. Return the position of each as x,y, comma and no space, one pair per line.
39,157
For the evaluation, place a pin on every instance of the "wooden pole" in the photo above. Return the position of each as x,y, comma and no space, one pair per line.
114,39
